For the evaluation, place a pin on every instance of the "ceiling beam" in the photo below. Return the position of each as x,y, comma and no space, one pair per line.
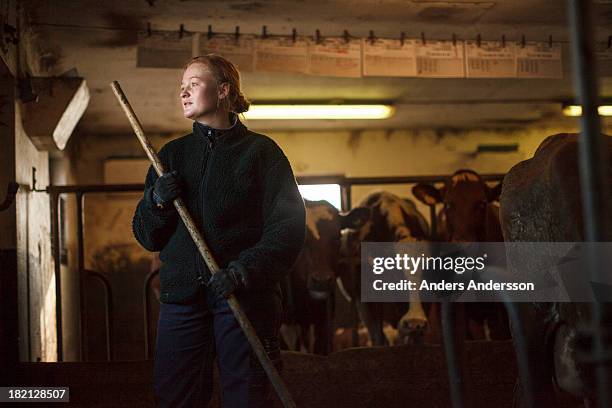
50,120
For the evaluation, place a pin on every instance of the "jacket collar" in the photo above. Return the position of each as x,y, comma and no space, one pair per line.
219,135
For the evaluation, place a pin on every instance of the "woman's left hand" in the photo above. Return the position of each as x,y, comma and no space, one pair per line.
228,280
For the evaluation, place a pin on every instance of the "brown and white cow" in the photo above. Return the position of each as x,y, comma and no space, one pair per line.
312,280
392,219
469,214
541,203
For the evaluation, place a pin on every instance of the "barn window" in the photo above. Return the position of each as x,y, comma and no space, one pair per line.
328,192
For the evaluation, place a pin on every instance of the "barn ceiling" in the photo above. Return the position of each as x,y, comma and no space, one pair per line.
99,40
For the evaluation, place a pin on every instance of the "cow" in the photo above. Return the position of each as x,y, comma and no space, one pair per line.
541,202
392,219
469,215
309,289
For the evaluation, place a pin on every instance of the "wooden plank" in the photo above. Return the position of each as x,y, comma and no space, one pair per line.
50,120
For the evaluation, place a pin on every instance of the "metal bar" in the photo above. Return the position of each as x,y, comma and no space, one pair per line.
329,320
82,282
593,149
53,198
94,188
453,362
349,197
27,267
108,301
592,153
355,323
433,218
522,352
146,299
344,197
332,179
9,198
411,179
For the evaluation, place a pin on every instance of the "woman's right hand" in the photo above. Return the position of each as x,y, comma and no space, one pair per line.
167,187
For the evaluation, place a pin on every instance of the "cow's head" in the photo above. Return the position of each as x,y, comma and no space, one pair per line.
466,198
319,257
391,219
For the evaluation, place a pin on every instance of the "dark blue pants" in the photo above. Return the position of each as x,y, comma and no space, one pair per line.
188,338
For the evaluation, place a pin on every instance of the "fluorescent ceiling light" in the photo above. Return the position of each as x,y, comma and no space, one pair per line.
301,112
576,110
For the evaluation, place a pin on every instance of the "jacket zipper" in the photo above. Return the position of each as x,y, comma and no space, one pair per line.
210,144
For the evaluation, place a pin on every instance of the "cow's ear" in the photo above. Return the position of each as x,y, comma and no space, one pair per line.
427,194
356,218
494,192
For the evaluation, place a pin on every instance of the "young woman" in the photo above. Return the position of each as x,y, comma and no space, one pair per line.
240,190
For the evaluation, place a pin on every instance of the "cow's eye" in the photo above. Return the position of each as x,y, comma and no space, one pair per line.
448,206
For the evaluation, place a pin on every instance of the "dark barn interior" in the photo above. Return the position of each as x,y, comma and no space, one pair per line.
466,90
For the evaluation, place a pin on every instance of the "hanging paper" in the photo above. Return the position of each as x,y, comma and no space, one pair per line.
440,59
389,57
490,59
539,60
335,57
282,54
239,50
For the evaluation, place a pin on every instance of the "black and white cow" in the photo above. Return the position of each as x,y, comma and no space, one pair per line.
311,283
392,219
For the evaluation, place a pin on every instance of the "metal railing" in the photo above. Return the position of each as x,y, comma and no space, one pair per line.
81,190
449,335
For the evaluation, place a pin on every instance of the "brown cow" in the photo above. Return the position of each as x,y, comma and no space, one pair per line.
392,219
313,278
469,215
541,203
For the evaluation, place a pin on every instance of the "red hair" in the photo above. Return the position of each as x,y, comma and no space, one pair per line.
224,70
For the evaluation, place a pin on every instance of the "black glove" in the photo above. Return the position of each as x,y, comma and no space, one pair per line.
228,280
167,187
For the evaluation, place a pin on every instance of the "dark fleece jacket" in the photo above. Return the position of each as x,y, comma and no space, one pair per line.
241,192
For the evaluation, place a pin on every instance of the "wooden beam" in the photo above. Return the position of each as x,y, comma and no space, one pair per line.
50,120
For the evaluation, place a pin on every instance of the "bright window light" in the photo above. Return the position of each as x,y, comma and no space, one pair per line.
302,112
328,192
576,110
